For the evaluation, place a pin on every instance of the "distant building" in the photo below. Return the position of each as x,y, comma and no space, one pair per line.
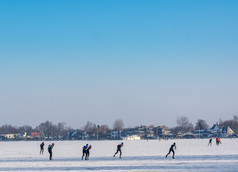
162,132
8,136
214,131
35,135
227,132
201,133
215,128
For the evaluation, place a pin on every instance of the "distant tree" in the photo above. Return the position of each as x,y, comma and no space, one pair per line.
25,129
184,124
68,129
151,126
201,125
8,129
48,129
233,124
103,129
235,118
219,121
100,131
61,128
118,124
176,130
89,127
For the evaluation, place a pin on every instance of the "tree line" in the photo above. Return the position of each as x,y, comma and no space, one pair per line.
49,130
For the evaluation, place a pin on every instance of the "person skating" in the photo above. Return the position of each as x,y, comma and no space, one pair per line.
173,146
42,148
210,142
85,148
218,141
88,152
118,150
50,147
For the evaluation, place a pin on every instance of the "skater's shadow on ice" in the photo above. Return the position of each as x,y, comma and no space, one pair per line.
128,158
102,168
93,159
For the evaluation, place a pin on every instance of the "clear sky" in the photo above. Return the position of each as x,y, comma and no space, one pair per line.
145,62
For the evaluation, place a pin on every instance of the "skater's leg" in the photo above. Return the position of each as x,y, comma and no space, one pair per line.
115,153
86,156
83,154
168,153
173,154
50,155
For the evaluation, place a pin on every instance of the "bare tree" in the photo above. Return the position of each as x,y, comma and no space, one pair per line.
103,129
118,124
201,125
48,129
235,118
233,124
89,126
25,128
6,129
184,124
61,128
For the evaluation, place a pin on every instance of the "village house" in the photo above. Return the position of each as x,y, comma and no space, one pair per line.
227,132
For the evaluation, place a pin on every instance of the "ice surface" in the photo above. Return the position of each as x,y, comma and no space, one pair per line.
140,155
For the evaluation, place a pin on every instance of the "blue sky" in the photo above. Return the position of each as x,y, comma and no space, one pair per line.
145,62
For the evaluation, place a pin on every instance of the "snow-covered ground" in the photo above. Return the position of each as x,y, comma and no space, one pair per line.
140,155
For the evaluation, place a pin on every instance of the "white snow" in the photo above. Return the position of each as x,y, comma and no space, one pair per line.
138,155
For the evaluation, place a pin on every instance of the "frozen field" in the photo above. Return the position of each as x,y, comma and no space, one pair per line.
191,155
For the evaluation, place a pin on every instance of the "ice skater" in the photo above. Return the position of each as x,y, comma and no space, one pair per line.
210,142
42,148
50,147
173,146
118,150
88,153
218,141
85,148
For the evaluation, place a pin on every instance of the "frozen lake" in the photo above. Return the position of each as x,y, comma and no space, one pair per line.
141,155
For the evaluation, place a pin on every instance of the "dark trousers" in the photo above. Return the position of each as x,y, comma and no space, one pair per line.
84,153
118,150
41,150
170,150
50,152
87,155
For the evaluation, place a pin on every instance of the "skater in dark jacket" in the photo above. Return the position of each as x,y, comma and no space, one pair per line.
85,148
173,146
42,148
88,153
118,150
50,147
210,142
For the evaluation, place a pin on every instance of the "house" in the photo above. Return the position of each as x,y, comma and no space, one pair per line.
201,133
162,132
188,135
215,129
35,135
227,132
8,136
116,135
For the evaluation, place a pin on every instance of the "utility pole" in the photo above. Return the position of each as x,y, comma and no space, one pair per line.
199,132
97,131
